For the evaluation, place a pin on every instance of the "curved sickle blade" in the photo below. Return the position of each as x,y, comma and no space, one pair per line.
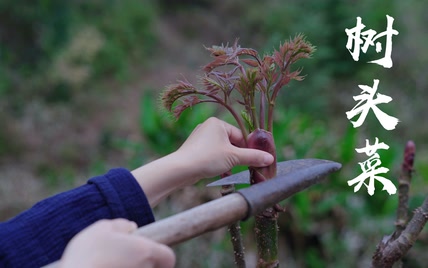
282,169
303,175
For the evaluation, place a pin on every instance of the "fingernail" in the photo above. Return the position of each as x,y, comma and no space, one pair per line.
133,226
267,159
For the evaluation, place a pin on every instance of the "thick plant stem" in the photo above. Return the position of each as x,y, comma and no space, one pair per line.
266,231
266,227
262,140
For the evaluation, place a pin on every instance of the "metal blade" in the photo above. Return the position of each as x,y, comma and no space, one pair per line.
268,193
282,169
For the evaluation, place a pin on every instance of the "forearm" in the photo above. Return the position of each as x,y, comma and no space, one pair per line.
163,176
42,232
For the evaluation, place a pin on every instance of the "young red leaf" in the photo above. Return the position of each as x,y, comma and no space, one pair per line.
247,51
211,85
175,91
250,62
217,62
186,103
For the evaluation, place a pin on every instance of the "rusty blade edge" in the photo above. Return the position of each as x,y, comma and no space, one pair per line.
283,168
263,195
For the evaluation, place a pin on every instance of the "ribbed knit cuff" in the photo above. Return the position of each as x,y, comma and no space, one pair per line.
124,196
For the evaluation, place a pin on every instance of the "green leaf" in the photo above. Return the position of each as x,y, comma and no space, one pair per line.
247,120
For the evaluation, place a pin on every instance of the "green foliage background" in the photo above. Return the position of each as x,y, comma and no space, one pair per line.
79,87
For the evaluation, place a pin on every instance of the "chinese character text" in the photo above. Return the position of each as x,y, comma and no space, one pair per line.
370,170
367,101
361,40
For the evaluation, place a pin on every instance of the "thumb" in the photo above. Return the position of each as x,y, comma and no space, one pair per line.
123,225
253,157
162,255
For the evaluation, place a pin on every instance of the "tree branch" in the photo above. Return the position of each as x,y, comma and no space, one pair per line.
403,188
394,247
234,229
390,251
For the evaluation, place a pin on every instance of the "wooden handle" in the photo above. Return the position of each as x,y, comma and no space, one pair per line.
193,222
196,221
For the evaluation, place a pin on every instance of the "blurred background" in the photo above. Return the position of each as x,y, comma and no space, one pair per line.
79,94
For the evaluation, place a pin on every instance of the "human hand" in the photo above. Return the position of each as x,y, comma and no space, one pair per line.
214,147
108,243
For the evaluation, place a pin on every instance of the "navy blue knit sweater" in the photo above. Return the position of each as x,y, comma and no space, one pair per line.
39,235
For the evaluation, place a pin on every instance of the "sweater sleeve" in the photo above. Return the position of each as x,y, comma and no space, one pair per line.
39,235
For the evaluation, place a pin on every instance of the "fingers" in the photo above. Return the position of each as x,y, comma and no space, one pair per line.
120,225
216,126
253,157
243,155
235,134
162,256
